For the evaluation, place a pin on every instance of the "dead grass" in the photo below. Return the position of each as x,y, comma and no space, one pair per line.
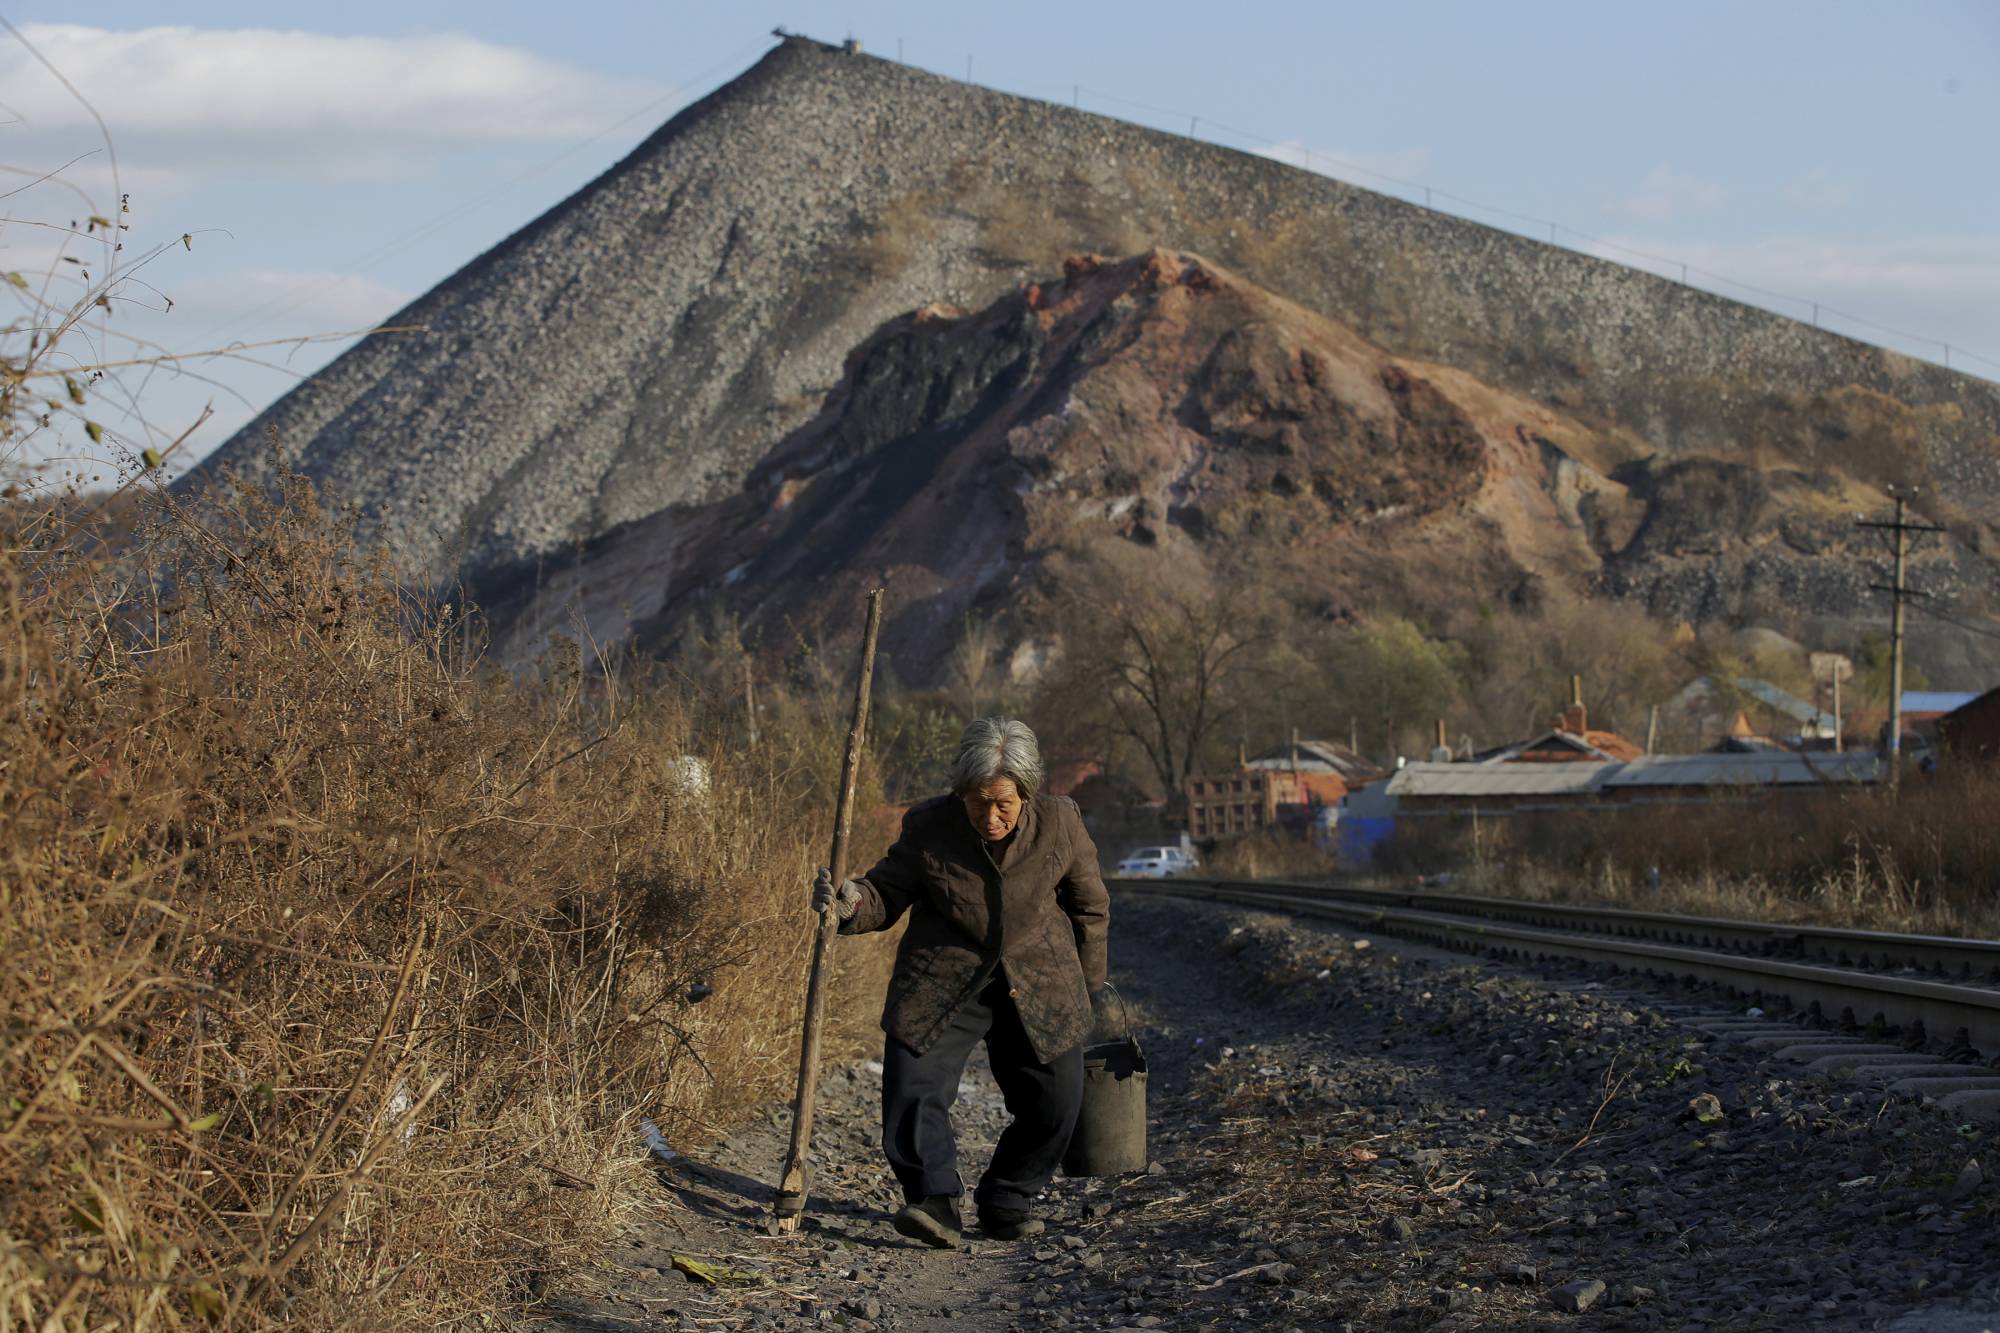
1926,859
1269,856
335,965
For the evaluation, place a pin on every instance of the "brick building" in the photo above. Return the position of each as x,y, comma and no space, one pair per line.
1280,788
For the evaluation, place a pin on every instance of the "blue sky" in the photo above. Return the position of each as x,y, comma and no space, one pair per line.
335,163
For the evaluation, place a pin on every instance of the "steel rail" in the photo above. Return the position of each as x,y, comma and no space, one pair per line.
1937,955
1969,1014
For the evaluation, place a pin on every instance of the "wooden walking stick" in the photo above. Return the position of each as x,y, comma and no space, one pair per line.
791,1201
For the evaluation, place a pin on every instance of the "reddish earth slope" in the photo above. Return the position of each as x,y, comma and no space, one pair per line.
1160,400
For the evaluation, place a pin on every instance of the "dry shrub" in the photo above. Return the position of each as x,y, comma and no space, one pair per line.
1270,855
337,966
1926,858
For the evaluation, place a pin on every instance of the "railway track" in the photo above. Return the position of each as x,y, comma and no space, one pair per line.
1934,989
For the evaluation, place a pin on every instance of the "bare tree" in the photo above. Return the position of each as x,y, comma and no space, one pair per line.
1151,662
1516,676
971,665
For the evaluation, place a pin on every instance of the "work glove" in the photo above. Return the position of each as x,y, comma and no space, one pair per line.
843,900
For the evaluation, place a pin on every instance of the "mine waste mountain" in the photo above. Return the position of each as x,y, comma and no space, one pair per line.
843,319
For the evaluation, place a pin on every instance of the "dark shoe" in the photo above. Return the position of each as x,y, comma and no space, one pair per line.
934,1221
1009,1223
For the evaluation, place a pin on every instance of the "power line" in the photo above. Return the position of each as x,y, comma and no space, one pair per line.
286,302
1935,614
1819,308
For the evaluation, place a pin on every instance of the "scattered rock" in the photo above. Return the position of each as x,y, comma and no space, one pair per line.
1705,1108
1270,1220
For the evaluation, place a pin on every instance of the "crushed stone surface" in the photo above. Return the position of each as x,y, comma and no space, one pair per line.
1352,1133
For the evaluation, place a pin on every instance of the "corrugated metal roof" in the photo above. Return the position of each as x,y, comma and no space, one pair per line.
1761,770
1781,769
1936,701
1789,704
1475,780
1316,756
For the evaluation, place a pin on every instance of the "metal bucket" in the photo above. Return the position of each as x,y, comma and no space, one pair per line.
1110,1137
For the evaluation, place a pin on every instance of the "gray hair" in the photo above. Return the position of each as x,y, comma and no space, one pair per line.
997,747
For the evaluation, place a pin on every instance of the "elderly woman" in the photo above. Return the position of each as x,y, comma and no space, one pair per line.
1006,945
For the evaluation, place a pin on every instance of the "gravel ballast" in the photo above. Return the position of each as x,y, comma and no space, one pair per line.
1348,1132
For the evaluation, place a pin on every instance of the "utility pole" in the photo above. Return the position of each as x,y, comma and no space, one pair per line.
1898,593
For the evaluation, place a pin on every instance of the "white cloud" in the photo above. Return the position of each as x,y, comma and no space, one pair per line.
249,101
173,395
1928,290
1373,171
1665,194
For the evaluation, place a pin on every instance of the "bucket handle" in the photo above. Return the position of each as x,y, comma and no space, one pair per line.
1124,1015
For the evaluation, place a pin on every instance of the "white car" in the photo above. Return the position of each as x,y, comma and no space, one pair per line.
1156,863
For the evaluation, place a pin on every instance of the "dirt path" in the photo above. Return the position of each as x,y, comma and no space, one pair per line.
845,1267
1354,1134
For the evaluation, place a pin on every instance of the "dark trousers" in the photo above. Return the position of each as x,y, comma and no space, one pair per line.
918,1092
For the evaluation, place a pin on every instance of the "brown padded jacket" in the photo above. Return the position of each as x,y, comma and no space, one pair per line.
1038,918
